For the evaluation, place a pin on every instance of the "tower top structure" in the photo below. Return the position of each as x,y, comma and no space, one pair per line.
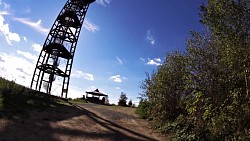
56,58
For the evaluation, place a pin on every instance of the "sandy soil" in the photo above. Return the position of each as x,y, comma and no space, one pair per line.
90,122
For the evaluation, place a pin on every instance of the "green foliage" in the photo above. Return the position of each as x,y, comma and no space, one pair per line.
123,99
143,109
203,94
164,88
77,100
16,99
130,103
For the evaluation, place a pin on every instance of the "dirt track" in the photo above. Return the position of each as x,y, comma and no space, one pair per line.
76,123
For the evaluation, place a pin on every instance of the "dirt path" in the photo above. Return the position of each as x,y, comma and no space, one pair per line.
77,123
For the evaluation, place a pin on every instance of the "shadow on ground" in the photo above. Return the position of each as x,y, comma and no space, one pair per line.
63,122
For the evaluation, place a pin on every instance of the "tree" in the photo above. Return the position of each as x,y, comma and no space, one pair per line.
166,87
203,93
123,99
130,103
229,20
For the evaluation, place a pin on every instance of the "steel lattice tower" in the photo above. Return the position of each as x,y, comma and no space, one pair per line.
59,46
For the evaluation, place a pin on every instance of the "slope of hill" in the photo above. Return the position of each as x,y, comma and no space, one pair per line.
30,115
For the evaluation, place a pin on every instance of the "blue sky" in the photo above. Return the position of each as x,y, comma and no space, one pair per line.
120,41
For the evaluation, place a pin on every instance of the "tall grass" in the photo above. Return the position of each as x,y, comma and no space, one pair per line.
17,99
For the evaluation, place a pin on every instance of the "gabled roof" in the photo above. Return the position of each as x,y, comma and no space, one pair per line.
97,93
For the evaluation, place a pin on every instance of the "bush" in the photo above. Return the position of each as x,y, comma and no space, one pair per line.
130,104
143,109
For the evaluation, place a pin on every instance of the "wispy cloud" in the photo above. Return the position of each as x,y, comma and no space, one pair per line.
90,26
142,59
35,25
5,13
25,39
36,47
124,78
5,30
117,78
150,38
154,62
5,8
104,2
81,74
119,60
27,55
20,72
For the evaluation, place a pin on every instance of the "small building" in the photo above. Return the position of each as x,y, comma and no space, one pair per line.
96,97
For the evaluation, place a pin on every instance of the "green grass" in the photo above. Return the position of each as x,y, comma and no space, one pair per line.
18,100
77,101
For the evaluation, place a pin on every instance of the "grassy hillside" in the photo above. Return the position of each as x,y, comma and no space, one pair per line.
17,100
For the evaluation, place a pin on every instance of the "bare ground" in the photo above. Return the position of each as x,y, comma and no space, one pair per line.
78,122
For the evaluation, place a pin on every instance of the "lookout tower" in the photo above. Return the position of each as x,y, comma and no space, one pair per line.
57,54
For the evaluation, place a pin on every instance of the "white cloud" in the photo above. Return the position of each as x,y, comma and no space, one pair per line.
1,60
74,92
104,2
90,26
5,13
13,37
158,59
88,76
117,78
37,47
118,88
25,39
5,7
16,68
119,60
35,25
20,70
5,30
142,59
80,74
150,38
27,55
154,62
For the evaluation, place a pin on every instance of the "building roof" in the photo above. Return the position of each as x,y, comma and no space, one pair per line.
97,93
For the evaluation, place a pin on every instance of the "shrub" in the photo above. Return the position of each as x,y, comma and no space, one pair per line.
143,109
130,104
